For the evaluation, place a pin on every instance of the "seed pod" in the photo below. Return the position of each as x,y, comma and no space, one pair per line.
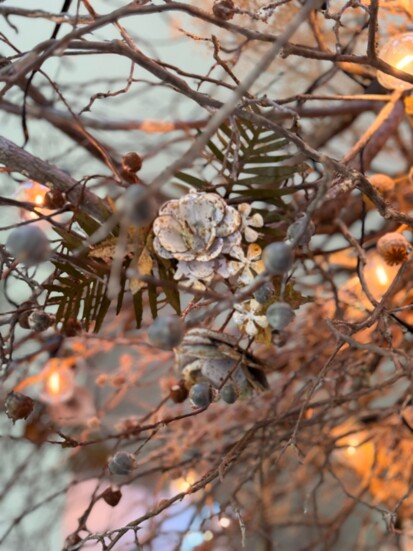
178,392
381,183
201,395
166,332
18,406
278,258
131,162
223,9
112,496
122,463
302,230
280,315
39,320
264,293
138,205
394,248
229,393
29,245
54,199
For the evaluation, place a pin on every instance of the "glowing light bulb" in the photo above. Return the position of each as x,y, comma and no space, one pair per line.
224,522
31,192
352,447
382,276
398,52
58,386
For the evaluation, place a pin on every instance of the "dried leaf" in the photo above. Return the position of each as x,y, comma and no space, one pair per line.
143,264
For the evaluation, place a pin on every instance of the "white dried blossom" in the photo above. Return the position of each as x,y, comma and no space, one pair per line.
195,227
249,318
249,222
246,265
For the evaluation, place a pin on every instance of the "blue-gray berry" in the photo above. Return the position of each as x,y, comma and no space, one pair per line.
279,315
264,293
122,463
278,258
229,393
301,231
166,332
138,205
201,395
29,245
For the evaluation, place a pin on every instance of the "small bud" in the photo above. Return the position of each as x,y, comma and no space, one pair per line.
39,320
201,395
122,463
29,245
18,406
302,230
131,162
178,392
166,332
264,293
381,183
229,393
54,199
394,248
223,9
112,496
278,258
280,315
138,205
72,327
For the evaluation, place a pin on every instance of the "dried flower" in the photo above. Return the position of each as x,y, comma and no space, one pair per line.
122,463
394,248
18,406
381,183
248,317
223,9
249,222
249,265
194,227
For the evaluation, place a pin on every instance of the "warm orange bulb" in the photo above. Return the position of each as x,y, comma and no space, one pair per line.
54,383
58,386
382,276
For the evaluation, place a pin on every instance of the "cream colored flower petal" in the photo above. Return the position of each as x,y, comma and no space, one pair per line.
255,306
182,270
257,266
168,231
186,256
244,209
238,253
246,276
160,251
193,284
228,268
213,252
230,223
239,317
251,328
201,270
201,210
256,220
262,321
254,251
250,235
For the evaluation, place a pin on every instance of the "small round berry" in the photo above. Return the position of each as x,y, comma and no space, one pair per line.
264,293
223,9
29,245
394,248
18,406
138,205
229,393
112,496
301,230
178,393
278,258
166,332
122,463
201,395
381,183
54,199
131,162
39,320
280,315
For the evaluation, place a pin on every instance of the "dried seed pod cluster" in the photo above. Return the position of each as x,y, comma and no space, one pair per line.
394,248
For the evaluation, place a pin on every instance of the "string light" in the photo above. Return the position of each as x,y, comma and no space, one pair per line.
398,53
58,385
31,192
224,522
